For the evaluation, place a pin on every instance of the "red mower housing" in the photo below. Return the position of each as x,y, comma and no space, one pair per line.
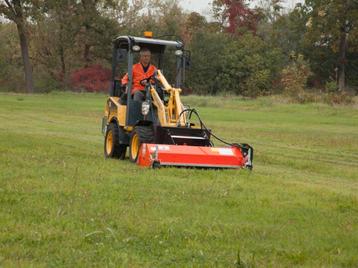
158,155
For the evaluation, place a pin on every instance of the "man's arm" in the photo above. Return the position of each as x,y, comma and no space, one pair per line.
125,79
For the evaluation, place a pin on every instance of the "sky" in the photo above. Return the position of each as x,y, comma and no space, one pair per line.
203,6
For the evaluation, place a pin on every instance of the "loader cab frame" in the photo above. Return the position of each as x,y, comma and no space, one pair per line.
124,50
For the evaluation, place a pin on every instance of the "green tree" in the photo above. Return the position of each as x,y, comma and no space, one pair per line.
203,75
331,24
286,31
98,23
244,65
249,66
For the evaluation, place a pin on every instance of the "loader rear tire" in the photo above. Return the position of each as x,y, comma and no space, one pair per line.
140,134
112,147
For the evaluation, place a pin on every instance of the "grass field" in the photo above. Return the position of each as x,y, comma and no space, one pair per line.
62,204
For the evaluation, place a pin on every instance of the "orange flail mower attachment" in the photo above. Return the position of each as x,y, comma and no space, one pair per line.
157,155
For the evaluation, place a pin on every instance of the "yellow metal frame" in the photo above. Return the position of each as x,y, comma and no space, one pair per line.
114,109
170,115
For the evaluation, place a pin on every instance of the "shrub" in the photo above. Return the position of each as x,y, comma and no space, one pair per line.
257,84
94,78
294,78
331,86
343,97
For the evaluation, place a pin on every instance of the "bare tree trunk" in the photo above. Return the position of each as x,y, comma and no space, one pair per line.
62,52
86,54
25,56
342,61
19,20
343,46
86,49
63,64
14,11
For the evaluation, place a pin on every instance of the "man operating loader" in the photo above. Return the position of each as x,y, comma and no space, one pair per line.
142,73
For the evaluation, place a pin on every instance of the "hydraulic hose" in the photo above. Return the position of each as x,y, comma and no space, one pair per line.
192,111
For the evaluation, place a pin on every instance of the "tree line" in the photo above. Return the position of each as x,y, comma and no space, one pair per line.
251,51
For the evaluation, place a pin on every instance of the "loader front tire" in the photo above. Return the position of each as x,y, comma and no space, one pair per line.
140,134
112,147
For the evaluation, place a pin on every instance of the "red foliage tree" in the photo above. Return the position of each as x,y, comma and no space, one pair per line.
237,14
94,78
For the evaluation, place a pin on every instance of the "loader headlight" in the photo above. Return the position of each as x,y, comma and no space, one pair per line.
136,48
145,108
179,53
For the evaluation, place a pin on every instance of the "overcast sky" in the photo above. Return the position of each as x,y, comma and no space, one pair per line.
203,6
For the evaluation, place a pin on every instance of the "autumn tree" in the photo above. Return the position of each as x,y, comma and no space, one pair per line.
235,14
193,23
54,37
71,35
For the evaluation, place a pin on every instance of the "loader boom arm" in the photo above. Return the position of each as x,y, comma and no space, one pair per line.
171,114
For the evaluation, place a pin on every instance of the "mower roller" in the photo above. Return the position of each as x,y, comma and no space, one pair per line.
160,131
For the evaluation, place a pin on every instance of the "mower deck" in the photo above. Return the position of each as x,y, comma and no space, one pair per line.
157,155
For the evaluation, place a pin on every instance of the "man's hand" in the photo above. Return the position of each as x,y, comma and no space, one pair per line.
144,82
124,88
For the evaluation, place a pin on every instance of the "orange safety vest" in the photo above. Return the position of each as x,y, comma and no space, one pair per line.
138,76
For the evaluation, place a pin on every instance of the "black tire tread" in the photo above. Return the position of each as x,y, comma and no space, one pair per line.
119,150
145,133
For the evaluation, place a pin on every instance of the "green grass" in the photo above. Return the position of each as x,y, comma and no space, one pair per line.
62,204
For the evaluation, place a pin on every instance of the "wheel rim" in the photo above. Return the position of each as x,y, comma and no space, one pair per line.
109,142
134,146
